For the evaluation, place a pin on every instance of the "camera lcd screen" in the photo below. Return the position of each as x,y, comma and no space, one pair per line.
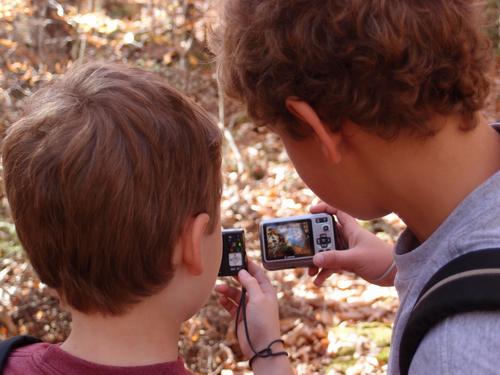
291,239
233,252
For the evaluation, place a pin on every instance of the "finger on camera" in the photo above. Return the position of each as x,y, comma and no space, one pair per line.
323,276
261,277
221,288
228,305
229,292
250,283
312,271
333,260
350,226
323,207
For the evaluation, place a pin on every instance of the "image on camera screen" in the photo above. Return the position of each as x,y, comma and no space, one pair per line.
234,250
289,240
235,259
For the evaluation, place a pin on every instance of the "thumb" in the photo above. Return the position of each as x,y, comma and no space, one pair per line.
336,260
349,225
250,284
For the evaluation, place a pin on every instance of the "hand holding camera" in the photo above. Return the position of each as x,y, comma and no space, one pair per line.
306,241
300,241
285,243
261,308
366,255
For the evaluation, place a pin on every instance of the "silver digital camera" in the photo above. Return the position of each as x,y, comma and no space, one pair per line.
293,241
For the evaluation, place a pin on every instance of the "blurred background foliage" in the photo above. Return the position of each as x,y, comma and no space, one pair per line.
492,12
342,328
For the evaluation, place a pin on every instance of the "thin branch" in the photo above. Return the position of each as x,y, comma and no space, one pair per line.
227,133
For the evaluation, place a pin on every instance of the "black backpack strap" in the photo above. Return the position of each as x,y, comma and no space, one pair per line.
467,283
9,345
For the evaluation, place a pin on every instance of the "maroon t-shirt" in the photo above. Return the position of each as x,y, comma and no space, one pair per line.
49,359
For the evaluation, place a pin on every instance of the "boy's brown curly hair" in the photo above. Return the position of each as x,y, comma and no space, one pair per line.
385,65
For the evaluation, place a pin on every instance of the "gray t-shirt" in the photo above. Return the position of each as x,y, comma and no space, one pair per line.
467,343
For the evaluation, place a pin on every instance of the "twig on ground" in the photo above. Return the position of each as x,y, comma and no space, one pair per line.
227,133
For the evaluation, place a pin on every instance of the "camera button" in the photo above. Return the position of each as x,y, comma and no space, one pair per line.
321,220
326,228
324,246
318,241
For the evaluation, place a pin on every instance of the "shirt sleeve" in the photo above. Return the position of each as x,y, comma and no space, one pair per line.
463,344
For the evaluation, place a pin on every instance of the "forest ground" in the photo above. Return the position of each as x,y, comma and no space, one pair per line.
343,327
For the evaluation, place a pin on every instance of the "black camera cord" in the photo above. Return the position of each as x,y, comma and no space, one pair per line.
264,353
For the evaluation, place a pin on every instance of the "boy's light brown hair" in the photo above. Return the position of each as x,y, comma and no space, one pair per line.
385,65
101,174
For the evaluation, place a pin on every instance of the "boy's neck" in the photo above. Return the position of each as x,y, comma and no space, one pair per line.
143,336
432,178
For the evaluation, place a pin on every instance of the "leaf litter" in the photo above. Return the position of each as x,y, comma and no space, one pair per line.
343,327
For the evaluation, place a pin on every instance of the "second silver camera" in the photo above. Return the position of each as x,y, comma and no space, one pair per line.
293,241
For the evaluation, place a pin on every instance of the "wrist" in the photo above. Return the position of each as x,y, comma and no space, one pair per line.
387,272
277,365
273,365
275,349
387,277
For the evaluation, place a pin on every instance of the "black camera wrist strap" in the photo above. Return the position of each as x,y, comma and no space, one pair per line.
264,353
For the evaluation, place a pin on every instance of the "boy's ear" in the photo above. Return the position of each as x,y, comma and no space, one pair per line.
330,141
191,241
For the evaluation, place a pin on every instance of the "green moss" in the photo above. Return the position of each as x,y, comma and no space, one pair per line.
342,363
376,332
346,351
383,355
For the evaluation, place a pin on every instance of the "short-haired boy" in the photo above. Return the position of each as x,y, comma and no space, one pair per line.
377,103
114,183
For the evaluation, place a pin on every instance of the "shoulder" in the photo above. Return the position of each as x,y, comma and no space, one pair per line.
25,360
30,350
43,358
463,344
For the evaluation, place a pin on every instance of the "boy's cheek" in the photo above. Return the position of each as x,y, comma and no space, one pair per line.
340,185
312,168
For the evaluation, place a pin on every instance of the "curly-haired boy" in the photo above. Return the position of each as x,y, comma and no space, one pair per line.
378,105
